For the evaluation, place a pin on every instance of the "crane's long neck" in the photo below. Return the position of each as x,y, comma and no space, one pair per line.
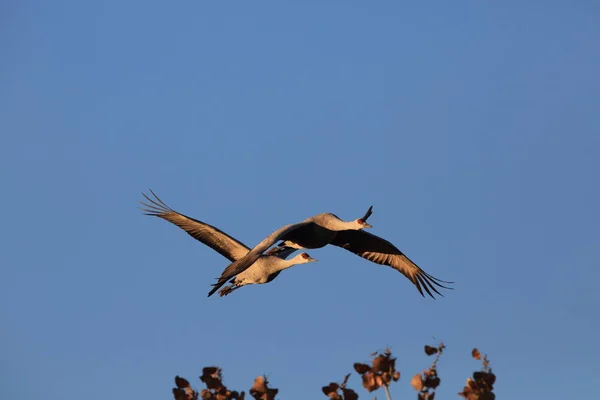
339,225
279,265
332,222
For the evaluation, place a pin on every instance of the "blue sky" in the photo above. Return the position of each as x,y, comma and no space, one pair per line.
472,127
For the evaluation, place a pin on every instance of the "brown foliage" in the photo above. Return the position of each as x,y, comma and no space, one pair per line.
332,391
215,389
380,374
427,383
480,387
261,390
184,391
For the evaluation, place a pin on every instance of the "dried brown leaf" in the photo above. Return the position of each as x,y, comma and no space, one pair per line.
471,384
210,370
260,385
349,394
211,376
330,389
417,382
361,368
179,394
430,350
212,383
432,382
396,376
271,393
181,382
382,363
491,379
261,390
480,376
369,383
476,354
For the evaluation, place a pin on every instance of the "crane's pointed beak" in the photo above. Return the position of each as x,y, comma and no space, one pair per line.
366,225
310,259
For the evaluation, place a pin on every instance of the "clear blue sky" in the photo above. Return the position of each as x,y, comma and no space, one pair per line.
472,127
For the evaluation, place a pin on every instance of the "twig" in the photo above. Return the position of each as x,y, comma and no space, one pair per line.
387,392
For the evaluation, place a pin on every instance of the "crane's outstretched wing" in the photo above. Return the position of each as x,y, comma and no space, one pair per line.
242,264
380,251
216,239
282,252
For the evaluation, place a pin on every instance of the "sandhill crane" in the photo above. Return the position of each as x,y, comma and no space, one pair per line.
329,229
312,233
266,268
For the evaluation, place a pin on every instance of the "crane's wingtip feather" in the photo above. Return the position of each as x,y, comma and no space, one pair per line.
416,283
424,283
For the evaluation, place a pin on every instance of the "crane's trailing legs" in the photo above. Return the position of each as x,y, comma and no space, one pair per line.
228,289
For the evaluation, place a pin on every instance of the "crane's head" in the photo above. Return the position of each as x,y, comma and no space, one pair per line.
361,223
304,258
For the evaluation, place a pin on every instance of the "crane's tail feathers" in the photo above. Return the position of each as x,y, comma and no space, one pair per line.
217,286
